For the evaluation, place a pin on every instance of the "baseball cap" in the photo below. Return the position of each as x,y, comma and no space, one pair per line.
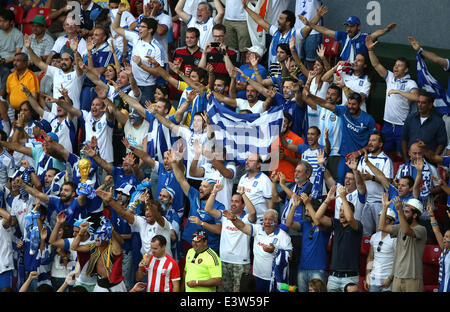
199,235
39,19
126,189
256,49
415,203
54,136
352,21
44,125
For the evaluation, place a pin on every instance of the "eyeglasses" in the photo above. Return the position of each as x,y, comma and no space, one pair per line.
379,246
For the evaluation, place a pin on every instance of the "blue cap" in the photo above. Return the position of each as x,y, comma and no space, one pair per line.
43,124
54,136
352,21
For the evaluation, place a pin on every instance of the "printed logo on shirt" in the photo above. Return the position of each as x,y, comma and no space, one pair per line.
361,82
255,183
332,118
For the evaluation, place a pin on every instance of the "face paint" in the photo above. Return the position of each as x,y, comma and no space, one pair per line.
134,117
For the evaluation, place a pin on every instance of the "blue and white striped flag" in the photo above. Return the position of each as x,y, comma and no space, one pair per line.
428,83
243,134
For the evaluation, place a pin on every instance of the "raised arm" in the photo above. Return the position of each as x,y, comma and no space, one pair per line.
435,225
380,69
18,147
323,30
180,12
360,184
116,23
313,100
34,58
139,153
216,214
251,211
417,182
93,153
107,197
348,213
33,192
379,175
383,31
258,19
179,174
320,217
442,62
241,226
404,225
320,13
220,12
296,201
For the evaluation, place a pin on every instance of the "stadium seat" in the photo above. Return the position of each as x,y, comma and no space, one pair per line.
439,213
431,265
27,29
19,13
176,26
361,284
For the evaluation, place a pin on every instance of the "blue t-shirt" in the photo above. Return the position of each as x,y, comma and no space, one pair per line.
72,211
198,209
355,130
121,177
299,120
393,192
446,163
122,227
314,251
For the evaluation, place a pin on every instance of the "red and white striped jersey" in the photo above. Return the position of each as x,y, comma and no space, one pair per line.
161,272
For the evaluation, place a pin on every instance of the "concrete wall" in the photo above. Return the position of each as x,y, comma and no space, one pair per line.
428,21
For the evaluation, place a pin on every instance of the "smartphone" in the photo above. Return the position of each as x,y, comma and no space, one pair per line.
215,44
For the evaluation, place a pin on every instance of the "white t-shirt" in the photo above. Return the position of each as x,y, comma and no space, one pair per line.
234,244
61,41
7,167
204,28
103,132
383,259
307,8
19,209
142,49
358,200
189,136
70,81
190,6
224,196
359,84
234,11
397,107
166,20
374,189
274,12
6,250
136,136
148,231
329,120
64,130
258,189
313,115
126,20
257,108
262,262
273,28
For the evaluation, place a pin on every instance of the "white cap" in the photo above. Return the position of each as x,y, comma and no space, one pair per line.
127,189
390,213
256,49
415,203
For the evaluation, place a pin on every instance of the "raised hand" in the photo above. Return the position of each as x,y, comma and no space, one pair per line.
414,43
322,10
385,200
332,193
352,163
321,51
27,41
320,157
398,203
137,60
126,143
304,20
391,26
217,188
61,217
369,43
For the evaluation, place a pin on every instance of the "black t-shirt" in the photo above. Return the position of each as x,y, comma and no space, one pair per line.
346,247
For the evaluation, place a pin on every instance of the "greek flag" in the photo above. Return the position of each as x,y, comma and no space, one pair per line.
242,134
427,82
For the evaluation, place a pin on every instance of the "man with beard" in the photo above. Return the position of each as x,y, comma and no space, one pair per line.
166,197
356,127
198,219
64,77
234,244
352,40
152,223
375,190
257,186
67,201
411,239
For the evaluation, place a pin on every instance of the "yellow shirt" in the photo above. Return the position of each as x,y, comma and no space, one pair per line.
14,87
206,265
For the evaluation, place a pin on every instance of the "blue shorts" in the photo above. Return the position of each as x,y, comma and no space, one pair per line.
309,47
393,137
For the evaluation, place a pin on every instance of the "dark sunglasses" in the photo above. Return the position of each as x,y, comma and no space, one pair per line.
379,246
